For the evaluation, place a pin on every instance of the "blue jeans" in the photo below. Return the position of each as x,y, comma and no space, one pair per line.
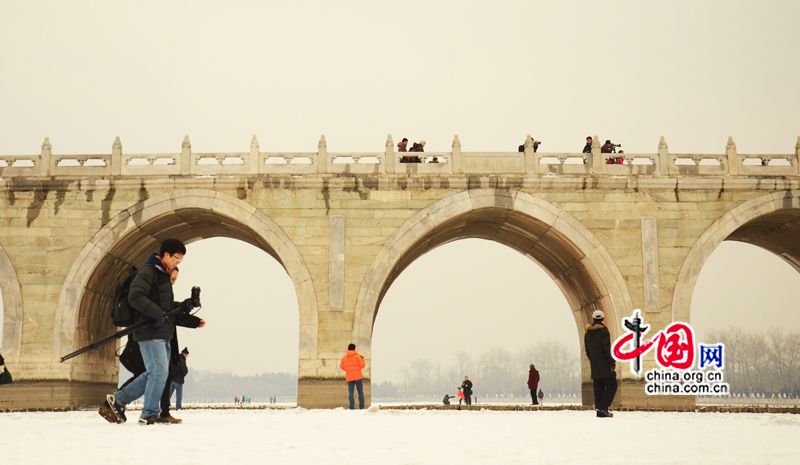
155,353
356,385
176,387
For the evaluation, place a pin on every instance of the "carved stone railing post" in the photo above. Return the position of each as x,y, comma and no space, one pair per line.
797,154
597,159
663,157
456,157
323,160
733,157
116,157
255,156
389,159
45,157
186,155
531,157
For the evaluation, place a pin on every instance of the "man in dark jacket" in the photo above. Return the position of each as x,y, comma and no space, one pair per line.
533,383
466,386
179,377
588,147
597,342
150,295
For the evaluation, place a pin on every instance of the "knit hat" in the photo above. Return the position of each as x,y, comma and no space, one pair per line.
598,315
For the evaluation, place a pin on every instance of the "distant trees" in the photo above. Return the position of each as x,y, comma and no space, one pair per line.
761,362
205,386
496,373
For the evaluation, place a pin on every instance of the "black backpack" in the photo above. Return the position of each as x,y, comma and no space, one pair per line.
122,314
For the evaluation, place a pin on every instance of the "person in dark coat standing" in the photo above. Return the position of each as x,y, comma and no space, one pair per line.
466,386
533,383
179,377
597,342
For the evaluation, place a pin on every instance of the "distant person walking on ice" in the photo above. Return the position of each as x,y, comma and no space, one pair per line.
597,341
352,363
533,383
466,386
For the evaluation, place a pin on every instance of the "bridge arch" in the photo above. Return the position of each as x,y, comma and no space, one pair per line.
11,339
771,222
567,250
126,240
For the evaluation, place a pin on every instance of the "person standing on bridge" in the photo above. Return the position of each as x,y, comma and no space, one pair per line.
352,363
597,342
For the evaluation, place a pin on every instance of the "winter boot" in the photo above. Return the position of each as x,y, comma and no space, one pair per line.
148,420
112,411
169,420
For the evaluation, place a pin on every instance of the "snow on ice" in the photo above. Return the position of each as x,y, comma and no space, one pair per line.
298,436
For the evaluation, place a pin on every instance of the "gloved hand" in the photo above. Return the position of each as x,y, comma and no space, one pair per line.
187,305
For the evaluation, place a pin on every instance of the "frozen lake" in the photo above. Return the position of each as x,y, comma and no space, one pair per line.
298,436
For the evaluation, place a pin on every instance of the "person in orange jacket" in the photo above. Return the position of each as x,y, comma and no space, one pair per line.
352,363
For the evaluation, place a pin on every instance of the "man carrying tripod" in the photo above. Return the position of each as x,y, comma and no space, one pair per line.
151,296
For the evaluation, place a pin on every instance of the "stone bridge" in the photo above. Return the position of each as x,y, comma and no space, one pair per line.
345,225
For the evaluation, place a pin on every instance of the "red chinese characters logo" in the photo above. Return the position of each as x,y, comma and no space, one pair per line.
674,345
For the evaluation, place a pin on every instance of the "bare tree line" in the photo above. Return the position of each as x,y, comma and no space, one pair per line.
766,362
495,373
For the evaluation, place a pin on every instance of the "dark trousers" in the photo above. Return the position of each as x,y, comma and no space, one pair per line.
534,401
468,398
604,391
165,397
129,381
351,385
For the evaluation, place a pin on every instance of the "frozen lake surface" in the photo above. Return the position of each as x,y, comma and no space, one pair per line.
298,436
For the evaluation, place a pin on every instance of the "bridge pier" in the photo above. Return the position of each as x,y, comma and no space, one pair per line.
631,396
328,393
52,395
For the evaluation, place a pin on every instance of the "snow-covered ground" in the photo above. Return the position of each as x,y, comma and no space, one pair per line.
298,436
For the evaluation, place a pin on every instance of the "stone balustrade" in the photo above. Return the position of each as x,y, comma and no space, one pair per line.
528,162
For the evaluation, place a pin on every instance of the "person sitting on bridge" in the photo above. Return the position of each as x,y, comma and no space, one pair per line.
402,145
535,146
588,147
609,147
418,146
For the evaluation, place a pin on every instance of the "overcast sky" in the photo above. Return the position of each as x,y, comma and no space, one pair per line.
696,72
